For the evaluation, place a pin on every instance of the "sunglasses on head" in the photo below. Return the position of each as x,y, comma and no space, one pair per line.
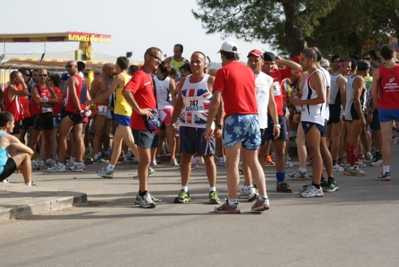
42,75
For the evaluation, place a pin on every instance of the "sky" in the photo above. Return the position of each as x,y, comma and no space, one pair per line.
133,25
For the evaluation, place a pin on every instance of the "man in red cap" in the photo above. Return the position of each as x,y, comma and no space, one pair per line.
278,75
266,104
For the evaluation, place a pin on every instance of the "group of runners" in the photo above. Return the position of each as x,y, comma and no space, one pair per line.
242,113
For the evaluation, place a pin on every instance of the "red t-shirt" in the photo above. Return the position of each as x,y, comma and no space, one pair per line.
278,88
142,87
388,88
237,83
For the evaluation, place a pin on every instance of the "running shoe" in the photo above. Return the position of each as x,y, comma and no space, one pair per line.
78,167
332,186
226,208
146,201
298,175
183,197
213,198
105,174
249,193
35,166
269,161
384,177
309,161
173,162
221,162
57,168
260,205
154,162
338,168
368,158
354,171
376,162
288,164
311,191
5,181
157,201
283,187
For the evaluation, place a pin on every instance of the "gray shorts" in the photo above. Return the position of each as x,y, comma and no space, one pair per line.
145,139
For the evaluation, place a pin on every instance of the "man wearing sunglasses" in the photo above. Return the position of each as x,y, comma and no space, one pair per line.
74,115
43,99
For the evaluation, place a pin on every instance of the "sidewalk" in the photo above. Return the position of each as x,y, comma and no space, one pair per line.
18,200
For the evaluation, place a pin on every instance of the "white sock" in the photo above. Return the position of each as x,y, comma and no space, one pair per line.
301,169
29,184
385,168
232,202
110,167
185,188
212,188
264,198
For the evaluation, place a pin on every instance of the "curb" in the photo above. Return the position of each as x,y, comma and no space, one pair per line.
42,207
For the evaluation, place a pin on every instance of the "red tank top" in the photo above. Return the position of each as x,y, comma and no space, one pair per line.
278,89
43,92
57,107
13,106
69,103
388,88
24,100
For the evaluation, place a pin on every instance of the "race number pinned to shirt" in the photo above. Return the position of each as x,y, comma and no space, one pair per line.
276,89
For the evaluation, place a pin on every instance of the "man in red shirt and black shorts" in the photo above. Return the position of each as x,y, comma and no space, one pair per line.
139,92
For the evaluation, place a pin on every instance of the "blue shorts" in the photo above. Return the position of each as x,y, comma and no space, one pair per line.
242,128
122,120
283,129
308,125
386,115
192,141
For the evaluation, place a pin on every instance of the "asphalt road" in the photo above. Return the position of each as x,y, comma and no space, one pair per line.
355,226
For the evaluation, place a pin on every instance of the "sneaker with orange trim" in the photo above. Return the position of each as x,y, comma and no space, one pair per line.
269,161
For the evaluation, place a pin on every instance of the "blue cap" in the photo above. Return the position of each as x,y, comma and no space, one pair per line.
65,76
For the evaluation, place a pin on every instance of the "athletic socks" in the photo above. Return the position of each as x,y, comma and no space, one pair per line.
385,168
212,188
185,188
110,167
280,176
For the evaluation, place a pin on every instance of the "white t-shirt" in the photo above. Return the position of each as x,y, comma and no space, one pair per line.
263,83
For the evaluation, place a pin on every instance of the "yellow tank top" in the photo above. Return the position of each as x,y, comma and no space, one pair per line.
122,107
175,64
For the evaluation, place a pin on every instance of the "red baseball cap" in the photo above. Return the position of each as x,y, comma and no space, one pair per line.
296,59
256,53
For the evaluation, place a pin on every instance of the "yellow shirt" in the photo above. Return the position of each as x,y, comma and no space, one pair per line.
122,107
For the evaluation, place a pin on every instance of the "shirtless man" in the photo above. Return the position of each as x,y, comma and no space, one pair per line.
98,87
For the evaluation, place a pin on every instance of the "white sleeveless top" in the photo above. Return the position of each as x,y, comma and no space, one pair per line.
263,83
350,94
196,99
164,98
312,113
327,83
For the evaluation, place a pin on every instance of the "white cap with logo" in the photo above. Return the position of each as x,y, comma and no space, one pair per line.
229,46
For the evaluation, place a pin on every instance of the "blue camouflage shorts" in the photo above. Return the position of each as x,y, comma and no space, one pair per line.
242,128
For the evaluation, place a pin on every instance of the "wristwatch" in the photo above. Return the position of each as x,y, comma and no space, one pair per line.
277,125
220,126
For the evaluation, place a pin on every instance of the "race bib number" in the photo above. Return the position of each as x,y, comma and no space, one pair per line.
276,89
102,110
45,110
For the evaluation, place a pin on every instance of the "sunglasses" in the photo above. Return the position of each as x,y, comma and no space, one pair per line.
27,75
69,66
42,75
157,58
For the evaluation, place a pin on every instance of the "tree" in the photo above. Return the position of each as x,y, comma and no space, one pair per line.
285,24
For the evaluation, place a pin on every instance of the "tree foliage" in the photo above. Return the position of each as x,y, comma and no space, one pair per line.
336,26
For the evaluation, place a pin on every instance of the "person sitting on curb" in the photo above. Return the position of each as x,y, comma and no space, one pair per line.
19,162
